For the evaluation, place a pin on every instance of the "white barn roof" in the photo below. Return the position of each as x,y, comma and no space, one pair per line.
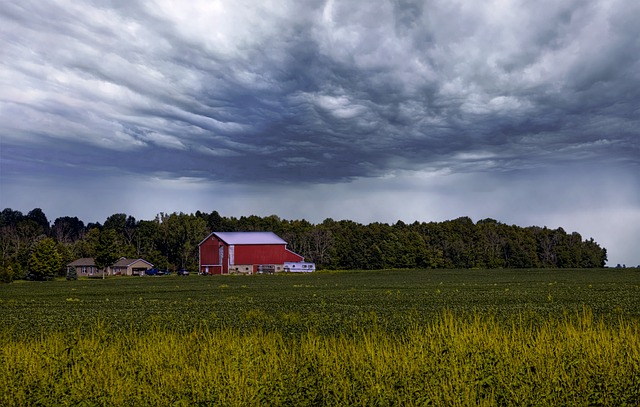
249,237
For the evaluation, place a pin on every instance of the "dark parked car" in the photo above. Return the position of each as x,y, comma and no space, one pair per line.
183,272
152,272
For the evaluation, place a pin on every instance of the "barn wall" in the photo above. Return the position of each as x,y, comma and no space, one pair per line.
210,269
291,256
209,251
263,254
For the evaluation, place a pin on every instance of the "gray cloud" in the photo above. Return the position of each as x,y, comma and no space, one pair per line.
333,88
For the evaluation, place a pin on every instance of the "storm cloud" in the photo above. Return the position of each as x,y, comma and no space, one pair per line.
271,98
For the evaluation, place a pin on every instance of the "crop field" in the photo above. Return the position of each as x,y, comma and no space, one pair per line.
401,337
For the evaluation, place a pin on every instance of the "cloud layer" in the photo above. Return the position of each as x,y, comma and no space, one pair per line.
320,91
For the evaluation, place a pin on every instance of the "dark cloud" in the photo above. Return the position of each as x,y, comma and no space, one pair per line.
334,88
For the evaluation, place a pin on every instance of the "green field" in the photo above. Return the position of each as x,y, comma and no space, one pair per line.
401,337
326,302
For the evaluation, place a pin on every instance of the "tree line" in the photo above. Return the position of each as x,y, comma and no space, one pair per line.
31,245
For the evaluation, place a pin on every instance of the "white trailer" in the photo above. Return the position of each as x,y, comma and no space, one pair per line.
299,267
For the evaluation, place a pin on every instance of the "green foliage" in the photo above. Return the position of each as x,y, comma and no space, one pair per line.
38,217
107,250
45,261
67,229
170,241
72,273
394,337
9,272
325,302
87,246
179,236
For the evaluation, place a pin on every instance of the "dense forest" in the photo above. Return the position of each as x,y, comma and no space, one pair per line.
31,244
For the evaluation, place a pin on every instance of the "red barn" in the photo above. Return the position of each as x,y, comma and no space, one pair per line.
244,252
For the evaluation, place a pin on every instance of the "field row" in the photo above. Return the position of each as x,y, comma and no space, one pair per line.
321,302
448,361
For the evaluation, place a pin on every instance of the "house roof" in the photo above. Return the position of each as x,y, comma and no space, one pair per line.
248,237
124,262
85,261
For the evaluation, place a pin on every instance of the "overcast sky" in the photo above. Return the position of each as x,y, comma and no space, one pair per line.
525,112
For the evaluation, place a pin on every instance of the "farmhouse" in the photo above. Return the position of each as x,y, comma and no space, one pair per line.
244,252
85,266
129,267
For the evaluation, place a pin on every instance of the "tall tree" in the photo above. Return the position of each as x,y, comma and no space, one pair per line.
38,216
45,261
125,228
179,238
9,217
107,249
67,229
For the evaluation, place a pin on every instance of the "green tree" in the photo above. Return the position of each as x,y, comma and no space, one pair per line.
125,228
88,245
7,273
179,235
593,255
107,249
491,243
320,244
72,273
38,216
9,217
519,250
67,229
45,261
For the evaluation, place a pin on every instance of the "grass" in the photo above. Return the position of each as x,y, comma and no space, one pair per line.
325,302
412,337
